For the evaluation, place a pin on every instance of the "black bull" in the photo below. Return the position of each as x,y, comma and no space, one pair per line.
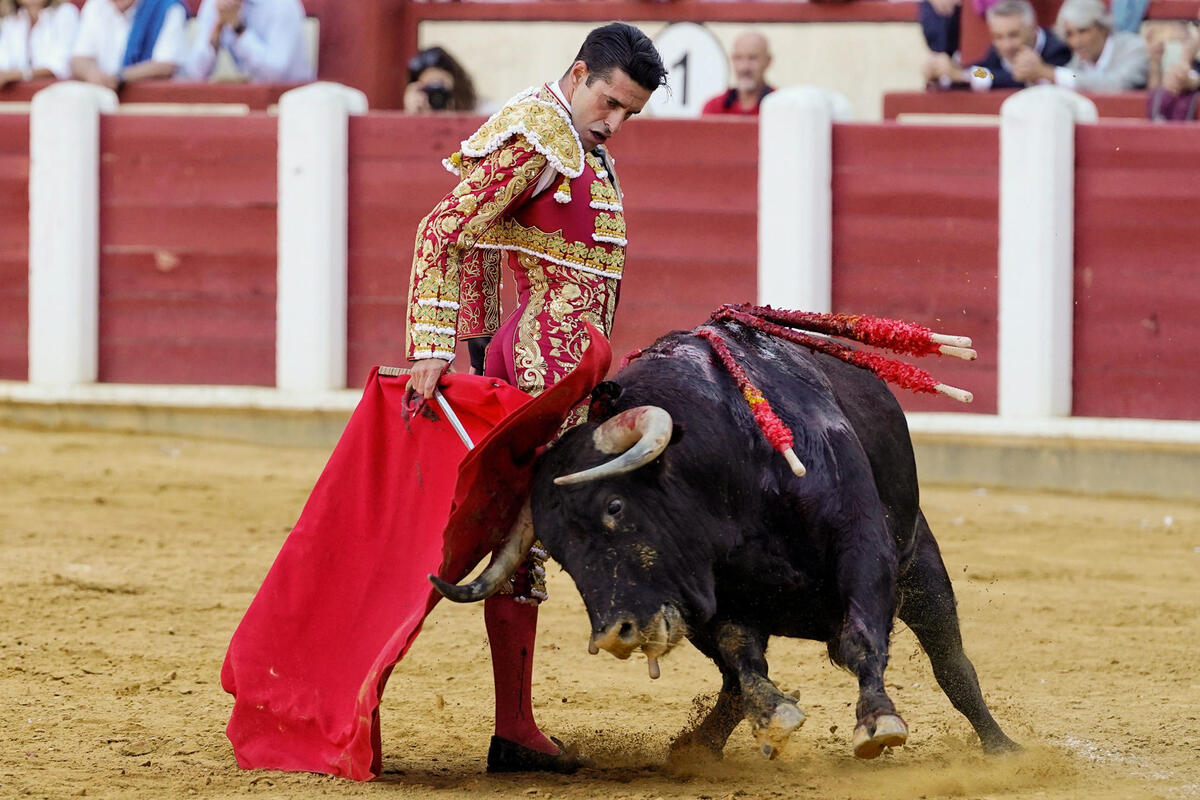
709,534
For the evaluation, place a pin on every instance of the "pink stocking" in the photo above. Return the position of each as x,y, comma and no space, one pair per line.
511,629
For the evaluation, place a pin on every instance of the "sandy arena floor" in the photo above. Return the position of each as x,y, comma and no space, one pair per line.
127,561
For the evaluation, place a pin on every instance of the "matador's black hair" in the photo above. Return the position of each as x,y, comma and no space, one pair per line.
623,46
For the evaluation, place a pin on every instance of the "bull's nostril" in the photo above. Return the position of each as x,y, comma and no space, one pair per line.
620,637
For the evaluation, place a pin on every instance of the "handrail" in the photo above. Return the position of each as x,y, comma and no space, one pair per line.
1120,105
254,96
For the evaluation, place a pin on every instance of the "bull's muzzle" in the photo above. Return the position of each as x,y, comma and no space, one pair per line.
654,638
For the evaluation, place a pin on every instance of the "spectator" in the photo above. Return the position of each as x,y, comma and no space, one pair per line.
941,23
122,41
750,60
265,38
1165,40
36,37
1103,60
1014,29
436,82
1175,86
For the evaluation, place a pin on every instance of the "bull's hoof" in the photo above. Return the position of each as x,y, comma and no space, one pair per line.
999,744
772,733
888,730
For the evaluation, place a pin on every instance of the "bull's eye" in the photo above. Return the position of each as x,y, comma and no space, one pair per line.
614,506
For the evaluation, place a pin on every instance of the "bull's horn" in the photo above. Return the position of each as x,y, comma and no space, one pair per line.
505,560
637,437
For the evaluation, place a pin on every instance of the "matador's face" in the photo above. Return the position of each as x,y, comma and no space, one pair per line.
600,106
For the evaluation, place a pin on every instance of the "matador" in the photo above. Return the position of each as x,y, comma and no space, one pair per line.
537,193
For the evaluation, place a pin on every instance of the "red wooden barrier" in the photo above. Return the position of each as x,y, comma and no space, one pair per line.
188,249
915,237
188,254
691,204
14,246
1137,333
691,199
396,177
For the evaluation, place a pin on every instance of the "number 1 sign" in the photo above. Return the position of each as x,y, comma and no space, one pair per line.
697,70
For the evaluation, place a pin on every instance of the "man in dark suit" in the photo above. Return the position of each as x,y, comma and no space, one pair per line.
1014,29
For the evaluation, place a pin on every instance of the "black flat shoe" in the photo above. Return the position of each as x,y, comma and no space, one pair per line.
505,755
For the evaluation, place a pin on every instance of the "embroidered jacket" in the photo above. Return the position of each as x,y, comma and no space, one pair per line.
577,224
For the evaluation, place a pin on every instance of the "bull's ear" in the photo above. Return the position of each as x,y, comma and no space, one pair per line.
603,397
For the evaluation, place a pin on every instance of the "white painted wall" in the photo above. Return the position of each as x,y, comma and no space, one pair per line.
858,60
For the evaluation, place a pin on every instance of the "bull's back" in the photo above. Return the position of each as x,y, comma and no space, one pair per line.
822,399
827,396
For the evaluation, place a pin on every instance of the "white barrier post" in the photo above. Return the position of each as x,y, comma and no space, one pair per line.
64,232
310,321
795,217
1037,241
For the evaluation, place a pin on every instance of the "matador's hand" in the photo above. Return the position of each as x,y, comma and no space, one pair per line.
425,376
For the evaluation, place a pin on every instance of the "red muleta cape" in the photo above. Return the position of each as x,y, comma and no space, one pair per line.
348,592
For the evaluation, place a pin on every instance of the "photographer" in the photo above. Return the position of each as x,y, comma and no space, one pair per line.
436,82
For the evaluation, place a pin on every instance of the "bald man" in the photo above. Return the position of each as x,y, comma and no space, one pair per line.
750,60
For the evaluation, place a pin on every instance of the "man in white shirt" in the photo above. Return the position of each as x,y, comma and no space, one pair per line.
121,41
264,37
1103,60
36,41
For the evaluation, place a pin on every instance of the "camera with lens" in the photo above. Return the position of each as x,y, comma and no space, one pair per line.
439,96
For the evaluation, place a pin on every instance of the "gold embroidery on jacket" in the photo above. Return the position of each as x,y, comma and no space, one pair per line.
510,234
551,336
536,115
479,293
528,360
603,193
611,225
440,267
